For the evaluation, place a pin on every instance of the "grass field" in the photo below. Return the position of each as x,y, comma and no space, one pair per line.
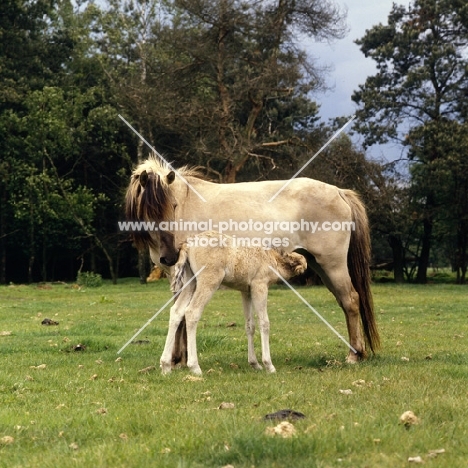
84,408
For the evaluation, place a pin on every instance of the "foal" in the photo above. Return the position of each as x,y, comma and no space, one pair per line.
243,268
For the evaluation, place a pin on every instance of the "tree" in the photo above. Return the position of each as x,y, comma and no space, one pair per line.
421,80
224,83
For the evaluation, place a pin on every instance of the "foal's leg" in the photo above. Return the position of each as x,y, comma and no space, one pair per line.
250,329
259,292
207,284
176,316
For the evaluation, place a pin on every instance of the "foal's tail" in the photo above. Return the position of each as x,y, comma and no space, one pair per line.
178,279
359,257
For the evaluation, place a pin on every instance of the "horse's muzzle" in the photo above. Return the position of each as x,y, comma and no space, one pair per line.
167,261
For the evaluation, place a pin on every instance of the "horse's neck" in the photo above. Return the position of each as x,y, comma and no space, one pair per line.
191,188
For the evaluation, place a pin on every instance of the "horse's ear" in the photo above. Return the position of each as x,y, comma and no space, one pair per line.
170,177
143,179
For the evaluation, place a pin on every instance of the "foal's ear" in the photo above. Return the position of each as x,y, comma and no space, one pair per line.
143,179
170,177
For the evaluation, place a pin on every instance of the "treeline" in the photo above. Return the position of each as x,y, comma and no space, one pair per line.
225,85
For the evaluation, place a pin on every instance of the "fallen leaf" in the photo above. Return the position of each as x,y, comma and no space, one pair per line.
101,411
193,378
434,453
93,377
285,414
99,361
408,418
283,429
147,369
359,383
40,366
7,440
417,459
74,446
225,405
166,450
5,333
123,436
118,359
346,392
404,358
48,321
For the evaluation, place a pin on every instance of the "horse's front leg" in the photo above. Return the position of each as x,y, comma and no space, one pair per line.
250,329
259,294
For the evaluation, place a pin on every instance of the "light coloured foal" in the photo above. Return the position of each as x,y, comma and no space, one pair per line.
246,269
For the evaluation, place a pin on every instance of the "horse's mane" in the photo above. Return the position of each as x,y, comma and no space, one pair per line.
158,166
149,196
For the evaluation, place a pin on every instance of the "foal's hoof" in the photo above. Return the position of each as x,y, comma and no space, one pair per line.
255,365
195,370
165,368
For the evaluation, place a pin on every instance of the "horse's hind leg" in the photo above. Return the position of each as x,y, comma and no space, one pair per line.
250,329
259,292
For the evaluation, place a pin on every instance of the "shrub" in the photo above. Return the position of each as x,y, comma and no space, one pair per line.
89,279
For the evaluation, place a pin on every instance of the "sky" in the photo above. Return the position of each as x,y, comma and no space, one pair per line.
349,66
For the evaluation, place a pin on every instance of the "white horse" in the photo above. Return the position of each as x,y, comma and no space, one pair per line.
218,260
340,256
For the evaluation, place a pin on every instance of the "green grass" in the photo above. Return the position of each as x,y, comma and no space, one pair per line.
169,421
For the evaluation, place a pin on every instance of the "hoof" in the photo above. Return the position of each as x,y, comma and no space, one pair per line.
195,370
255,365
354,358
165,368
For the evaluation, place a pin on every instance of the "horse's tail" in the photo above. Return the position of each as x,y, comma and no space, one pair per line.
178,280
359,258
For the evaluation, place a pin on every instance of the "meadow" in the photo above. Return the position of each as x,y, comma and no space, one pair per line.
67,399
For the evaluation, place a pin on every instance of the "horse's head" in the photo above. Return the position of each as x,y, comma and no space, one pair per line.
168,253
150,199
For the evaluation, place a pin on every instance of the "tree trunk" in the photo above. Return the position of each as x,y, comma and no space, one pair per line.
398,258
142,265
423,262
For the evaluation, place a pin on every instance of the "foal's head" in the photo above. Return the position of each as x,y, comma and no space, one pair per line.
291,264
